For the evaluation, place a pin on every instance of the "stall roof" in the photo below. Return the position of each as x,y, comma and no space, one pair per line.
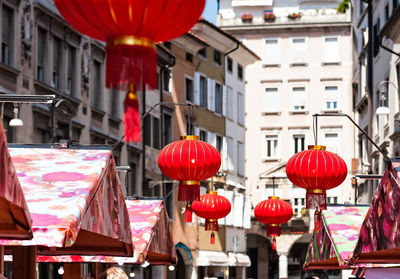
332,246
15,220
151,236
379,240
75,200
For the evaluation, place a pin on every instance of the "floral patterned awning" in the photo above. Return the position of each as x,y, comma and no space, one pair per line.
15,220
151,236
75,200
379,240
332,246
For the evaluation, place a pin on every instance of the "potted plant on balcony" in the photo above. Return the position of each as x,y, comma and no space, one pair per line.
269,16
247,17
294,15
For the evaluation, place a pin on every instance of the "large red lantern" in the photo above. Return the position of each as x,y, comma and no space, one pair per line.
189,161
211,207
316,170
131,29
273,212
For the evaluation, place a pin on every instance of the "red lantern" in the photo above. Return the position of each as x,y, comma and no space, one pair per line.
316,170
131,29
273,212
211,207
189,161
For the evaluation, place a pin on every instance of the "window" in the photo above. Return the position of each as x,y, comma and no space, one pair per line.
331,50
97,85
166,80
332,200
7,31
114,102
271,146
331,97
229,147
240,71
169,203
271,52
202,53
332,142
377,28
218,144
299,51
229,65
189,57
167,129
189,90
132,185
299,98
41,53
203,92
218,98
271,100
57,54
298,204
395,5
299,143
71,52
217,57
152,131
386,12
203,135
229,102
240,108
240,158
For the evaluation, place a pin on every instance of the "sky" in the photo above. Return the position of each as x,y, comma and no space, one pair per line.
210,11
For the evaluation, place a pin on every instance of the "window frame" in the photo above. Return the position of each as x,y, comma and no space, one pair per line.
293,105
271,138
10,59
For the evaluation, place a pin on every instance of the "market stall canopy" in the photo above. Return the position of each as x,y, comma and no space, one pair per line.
379,240
238,259
75,200
15,220
151,237
212,258
332,246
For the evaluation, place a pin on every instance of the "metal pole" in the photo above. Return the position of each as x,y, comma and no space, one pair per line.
143,138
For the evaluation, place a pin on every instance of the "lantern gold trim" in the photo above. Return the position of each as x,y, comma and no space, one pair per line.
191,182
190,137
316,147
132,41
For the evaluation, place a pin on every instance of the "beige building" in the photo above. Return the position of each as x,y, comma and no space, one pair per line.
306,68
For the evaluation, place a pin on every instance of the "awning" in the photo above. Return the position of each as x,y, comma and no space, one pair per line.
211,258
250,3
332,246
379,240
151,237
75,200
379,273
15,220
239,259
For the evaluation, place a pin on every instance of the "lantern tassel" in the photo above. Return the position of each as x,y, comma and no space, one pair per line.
188,212
212,238
131,116
188,192
316,200
317,220
274,243
211,225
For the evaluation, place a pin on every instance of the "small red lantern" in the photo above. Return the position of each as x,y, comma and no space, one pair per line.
316,170
211,207
189,161
273,212
131,29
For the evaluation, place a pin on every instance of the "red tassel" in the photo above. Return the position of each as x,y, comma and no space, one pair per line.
273,230
188,192
316,200
212,238
317,221
130,64
131,116
211,225
188,212
274,243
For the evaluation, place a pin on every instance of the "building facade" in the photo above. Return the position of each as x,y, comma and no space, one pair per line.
306,68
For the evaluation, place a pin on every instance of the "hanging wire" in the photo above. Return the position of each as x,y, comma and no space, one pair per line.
315,128
273,185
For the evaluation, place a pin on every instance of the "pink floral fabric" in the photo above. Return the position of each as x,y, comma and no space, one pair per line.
338,235
11,192
150,233
67,190
381,227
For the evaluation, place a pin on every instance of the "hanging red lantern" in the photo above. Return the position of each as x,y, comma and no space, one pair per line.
211,207
189,161
316,170
273,212
131,29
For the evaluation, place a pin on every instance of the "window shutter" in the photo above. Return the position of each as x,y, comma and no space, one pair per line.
299,50
211,94
230,216
224,159
229,102
212,138
238,210
271,52
247,214
224,88
196,89
221,192
331,50
271,102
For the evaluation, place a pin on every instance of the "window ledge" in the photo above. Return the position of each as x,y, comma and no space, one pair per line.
9,72
97,113
271,65
268,160
298,112
45,89
271,113
331,111
331,63
114,121
298,64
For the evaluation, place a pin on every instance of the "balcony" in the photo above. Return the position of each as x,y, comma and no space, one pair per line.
305,19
